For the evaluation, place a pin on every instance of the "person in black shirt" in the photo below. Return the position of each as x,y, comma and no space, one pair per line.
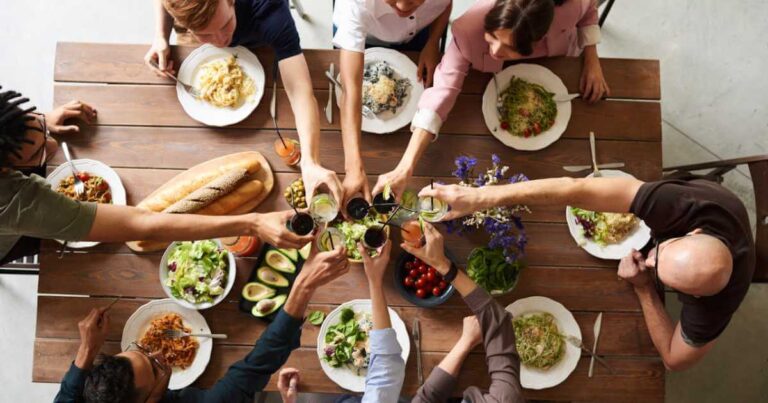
253,23
703,247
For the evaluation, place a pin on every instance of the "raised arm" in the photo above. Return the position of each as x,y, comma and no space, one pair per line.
355,180
124,223
298,87
429,56
160,51
597,194
386,369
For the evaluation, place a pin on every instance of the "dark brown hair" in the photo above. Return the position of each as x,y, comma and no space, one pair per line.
529,20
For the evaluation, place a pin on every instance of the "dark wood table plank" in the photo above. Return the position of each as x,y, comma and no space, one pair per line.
642,379
177,148
124,64
145,105
625,333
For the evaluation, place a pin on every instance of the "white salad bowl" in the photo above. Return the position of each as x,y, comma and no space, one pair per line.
231,273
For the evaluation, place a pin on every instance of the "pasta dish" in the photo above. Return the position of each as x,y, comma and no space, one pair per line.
223,83
605,228
382,91
96,188
538,340
526,109
178,352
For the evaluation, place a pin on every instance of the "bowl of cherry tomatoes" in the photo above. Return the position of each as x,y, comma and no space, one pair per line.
420,283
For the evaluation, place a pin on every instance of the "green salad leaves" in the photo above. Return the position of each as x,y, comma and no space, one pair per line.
346,342
489,269
197,271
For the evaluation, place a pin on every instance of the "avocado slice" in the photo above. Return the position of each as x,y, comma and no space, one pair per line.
268,305
280,262
304,252
270,277
293,254
255,292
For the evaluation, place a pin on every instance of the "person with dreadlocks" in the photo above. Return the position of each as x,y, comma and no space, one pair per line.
30,210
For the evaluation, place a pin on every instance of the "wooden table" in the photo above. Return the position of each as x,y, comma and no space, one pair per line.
145,135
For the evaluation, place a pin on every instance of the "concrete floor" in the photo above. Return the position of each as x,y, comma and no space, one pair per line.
714,102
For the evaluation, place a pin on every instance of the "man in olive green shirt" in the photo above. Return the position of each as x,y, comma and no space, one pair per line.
31,210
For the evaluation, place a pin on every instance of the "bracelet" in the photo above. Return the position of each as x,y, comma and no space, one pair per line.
452,272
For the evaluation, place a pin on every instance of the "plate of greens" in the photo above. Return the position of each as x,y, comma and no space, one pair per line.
521,112
541,326
353,231
342,343
197,274
489,269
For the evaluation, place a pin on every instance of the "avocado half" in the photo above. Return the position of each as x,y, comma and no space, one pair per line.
280,262
270,277
293,254
268,306
255,292
304,252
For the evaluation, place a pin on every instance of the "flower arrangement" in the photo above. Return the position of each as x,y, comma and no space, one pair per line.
502,223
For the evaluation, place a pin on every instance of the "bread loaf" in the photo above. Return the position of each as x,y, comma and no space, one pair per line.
209,193
247,191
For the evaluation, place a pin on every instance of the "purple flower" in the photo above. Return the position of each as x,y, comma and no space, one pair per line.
496,160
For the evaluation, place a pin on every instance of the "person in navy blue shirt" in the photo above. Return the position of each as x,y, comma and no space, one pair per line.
141,376
253,23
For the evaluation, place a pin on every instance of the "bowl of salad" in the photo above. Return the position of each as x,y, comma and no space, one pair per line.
197,274
353,231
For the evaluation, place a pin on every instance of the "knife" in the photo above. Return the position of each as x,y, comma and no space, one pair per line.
595,171
329,107
416,333
579,168
598,324
566,97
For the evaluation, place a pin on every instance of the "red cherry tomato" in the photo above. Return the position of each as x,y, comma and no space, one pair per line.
108,197
504,125
443,285
527,132
537,128
84,176
422,269
437,291
413,273
431,270
420,283
408,282
431,277
421,293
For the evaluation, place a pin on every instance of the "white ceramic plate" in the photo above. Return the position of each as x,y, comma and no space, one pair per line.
206,113
139,322
538,75
231,274
345,377
93,167
636,239
388,122
532,378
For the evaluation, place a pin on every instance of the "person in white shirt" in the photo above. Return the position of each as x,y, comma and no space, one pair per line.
397,24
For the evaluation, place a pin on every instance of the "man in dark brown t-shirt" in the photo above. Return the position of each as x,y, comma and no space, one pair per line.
704,248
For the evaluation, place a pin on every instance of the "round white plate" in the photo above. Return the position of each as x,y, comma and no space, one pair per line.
231,274
532,378
636,239
343,376
538,75
93,167
388,122
206,113
139,322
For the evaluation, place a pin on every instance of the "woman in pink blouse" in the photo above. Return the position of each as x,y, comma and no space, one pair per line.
490,33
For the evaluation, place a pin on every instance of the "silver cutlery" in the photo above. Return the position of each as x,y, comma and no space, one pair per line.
176,334
367,112
329,106
190,89
416,333
496,104
579,168
79,185
566,97
273,103
595,171
576,342
596,329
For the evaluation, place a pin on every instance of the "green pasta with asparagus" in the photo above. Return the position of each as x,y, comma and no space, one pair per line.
539,342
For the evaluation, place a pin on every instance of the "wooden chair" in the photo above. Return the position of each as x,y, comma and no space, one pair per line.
758,168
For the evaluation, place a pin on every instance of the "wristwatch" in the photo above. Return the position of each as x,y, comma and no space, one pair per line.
452,272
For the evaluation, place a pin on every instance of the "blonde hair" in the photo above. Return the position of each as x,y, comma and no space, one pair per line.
191,14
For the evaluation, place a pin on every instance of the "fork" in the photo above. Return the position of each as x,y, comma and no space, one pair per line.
367,112
579,344
496,104
176,334
79,185
190,89
595,171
